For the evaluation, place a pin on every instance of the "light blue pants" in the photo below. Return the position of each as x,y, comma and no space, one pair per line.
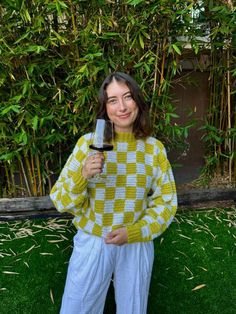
91,266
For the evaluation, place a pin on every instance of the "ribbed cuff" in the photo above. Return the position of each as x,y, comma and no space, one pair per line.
134,234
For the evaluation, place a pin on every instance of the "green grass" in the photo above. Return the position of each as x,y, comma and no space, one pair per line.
198,251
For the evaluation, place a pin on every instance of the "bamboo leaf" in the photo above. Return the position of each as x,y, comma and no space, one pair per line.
176,48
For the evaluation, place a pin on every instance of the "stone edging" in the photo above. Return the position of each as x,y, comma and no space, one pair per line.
33,207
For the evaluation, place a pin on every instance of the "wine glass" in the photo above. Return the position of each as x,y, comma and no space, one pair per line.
102,140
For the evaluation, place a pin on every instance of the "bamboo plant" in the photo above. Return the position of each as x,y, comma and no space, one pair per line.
54,55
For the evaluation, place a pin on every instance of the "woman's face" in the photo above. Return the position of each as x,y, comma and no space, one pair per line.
122,110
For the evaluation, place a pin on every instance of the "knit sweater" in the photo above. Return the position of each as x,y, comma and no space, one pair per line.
139,190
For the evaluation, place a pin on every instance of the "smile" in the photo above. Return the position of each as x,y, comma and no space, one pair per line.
127,115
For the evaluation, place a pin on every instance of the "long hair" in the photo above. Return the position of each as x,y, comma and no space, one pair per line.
141,127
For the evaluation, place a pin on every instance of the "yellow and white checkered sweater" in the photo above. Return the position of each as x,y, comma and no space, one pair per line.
139,190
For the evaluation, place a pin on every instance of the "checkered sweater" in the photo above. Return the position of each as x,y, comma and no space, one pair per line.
139,190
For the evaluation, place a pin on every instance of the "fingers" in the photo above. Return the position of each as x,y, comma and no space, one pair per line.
117,237
93,165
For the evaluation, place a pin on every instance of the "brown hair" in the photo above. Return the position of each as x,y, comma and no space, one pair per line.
141,127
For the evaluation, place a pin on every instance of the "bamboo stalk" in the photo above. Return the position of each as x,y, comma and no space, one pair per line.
25,177
34,181
229,117
7,176
162,66
13,185
75,31
20,176
48,176
39,175
30,174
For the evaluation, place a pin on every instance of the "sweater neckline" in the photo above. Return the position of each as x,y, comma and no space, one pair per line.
124,136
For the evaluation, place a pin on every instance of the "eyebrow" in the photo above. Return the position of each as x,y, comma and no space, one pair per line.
111,97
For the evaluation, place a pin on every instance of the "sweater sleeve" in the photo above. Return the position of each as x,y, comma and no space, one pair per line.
69,194
161,204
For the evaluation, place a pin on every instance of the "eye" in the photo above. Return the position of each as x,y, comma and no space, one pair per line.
112,101
128,97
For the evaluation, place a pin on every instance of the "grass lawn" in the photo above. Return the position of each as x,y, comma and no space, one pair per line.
194,270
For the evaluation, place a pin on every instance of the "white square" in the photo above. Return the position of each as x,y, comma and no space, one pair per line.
84,147
122,147
148,159
141,168
160,220
140,193
148,182
131,180
76,149
131,157
120,193
141,146
112,157
110,181
100,194
121,168
159,209
98,219
145,231
109,206
129,205
89,226
118,219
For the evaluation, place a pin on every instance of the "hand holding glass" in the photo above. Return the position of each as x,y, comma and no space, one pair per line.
102,140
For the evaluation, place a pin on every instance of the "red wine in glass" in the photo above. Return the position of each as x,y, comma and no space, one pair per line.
102,141
104,148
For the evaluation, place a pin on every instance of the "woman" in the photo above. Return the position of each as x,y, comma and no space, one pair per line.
116,221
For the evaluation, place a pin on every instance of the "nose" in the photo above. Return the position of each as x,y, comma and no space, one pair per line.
122,105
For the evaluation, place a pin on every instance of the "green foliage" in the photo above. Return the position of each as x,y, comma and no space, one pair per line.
219,129
54,56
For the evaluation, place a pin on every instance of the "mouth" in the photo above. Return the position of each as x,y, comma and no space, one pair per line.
124,116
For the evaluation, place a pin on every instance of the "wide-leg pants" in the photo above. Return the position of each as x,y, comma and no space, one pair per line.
91,266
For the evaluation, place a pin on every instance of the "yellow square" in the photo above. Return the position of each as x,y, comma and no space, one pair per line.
110,193
121,181
141,180
140,157
149,170
155,228
149,149
131,168
130,192
92,216
80,155
92,193
119,206
121,157
132,146
66,200
107,219
99,206
111,168
83,222
138,205
166,188
128,217
165,214
97,229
